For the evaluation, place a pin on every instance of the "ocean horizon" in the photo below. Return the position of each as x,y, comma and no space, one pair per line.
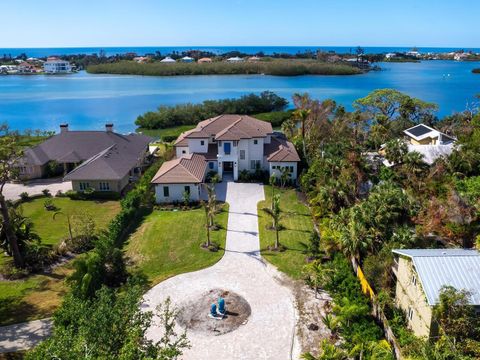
267,50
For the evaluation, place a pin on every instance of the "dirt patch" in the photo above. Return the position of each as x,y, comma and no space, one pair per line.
312,307
194,316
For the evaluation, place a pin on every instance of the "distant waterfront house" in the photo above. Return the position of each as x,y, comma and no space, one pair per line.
99,160
54,65
205,60
227,145
427,141
422,273
167,59
187,59
253,59
141,59
26,68
235,59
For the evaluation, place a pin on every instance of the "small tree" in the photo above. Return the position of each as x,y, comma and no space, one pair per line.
186,198
10,152
207,222
69,222
275,214
273,181
284,175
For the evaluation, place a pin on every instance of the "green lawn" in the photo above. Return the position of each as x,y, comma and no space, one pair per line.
172,131
168,243
52,231
37,296
297,228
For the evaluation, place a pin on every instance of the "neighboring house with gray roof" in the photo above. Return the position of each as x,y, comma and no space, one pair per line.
421,274
230,144
99,160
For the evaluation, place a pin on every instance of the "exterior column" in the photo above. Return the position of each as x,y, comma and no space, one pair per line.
235,170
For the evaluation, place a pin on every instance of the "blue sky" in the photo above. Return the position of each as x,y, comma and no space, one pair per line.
54,23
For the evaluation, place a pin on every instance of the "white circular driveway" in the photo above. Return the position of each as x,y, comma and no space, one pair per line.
270,330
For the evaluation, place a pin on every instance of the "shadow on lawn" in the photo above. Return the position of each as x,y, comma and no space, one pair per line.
14,308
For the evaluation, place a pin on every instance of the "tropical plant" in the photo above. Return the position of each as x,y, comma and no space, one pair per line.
69,217
328,351
111,326
275,214
10,152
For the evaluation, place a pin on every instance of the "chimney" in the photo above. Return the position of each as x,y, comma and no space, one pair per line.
109,127
63,128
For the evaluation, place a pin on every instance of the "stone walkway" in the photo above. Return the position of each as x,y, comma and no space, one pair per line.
270,331
23,336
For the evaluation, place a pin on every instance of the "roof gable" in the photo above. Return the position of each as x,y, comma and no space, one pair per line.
184,170
230,127
281,150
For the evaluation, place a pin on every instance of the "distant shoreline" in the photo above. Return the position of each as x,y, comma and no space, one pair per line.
268,50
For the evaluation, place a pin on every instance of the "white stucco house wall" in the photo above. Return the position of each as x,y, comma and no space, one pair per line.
227,145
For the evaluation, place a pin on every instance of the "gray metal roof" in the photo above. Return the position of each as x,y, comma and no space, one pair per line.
439,267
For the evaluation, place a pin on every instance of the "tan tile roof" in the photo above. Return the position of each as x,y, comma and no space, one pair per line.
280,150
231,127
184,170
182,140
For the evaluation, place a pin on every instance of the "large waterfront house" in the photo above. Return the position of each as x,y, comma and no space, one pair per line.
422,273
98,160
54,65
227,145
429,142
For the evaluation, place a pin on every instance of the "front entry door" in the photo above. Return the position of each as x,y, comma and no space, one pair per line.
228,166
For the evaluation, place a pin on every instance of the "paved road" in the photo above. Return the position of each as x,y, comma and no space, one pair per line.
34,187
23,336
269,333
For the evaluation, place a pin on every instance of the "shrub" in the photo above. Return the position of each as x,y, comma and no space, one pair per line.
60,194
46,192
92,195
49,205
191,114
276,118
38,256
24,196
169,138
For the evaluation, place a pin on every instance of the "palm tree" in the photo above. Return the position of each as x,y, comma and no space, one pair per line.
210,207
289,127
207,222
69,222
302,116
272,181
284,175
275,214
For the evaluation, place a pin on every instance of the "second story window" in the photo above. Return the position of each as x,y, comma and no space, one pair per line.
226,148
202,142
235,143
255,142
242,154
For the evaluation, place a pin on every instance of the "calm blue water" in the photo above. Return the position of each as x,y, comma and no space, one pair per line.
43,52
89,101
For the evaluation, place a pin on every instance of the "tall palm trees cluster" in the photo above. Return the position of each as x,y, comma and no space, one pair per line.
364,207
